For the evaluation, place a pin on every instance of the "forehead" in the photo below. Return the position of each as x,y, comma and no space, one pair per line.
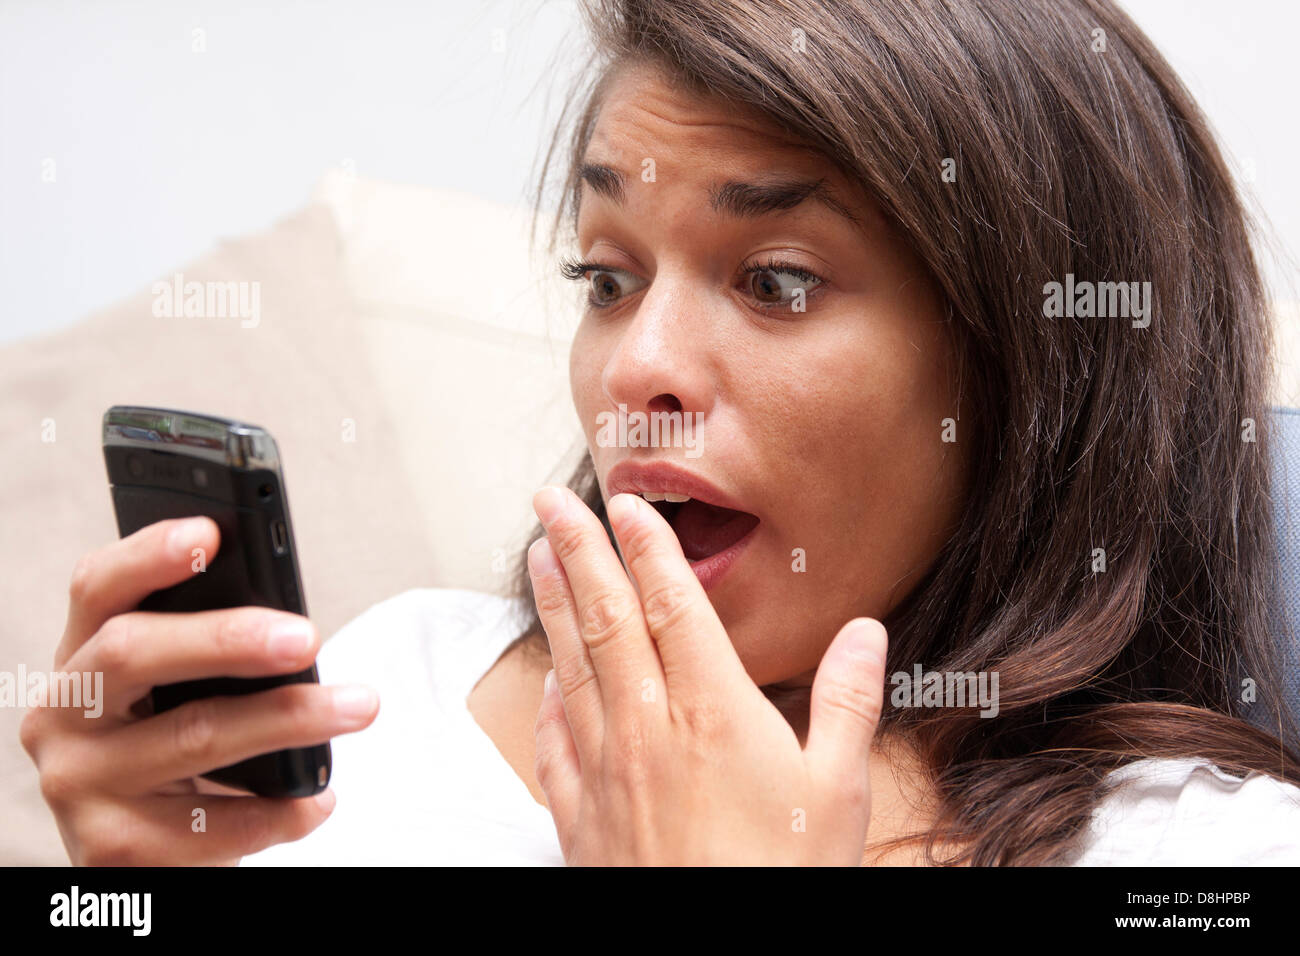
645,115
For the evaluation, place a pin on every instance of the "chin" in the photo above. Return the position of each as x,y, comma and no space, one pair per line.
770,652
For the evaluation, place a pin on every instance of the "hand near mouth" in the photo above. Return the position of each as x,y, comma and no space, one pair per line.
654,746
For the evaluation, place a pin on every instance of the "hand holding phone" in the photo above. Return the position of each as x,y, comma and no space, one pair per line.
125,787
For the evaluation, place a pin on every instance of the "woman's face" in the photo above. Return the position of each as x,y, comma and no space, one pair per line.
825,423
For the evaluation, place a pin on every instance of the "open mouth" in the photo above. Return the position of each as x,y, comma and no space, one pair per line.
703,529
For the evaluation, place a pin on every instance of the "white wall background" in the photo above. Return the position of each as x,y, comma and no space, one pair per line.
159,151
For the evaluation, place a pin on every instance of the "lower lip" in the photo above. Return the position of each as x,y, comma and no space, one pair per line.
711,569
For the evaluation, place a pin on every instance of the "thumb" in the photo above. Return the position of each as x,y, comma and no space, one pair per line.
847,695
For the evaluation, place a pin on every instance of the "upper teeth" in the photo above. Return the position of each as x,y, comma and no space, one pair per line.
666,496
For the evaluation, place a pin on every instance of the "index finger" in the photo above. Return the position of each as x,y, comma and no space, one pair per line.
607,611
117,577
693,645
146,649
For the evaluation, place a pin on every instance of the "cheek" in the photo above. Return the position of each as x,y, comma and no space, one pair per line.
875,494
860,438
860,413
586,362
899,477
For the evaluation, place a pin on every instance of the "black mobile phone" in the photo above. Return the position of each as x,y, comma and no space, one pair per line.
163,463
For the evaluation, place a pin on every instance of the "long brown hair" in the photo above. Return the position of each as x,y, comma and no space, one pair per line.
1077,151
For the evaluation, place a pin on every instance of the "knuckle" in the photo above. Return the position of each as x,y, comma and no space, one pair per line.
59,781
544,768
567,539
551,600
857,700
110,845
31,731
606,616
634,761
639,541
547,718
306,817
195,729
665,606
628,777
255,827
297,710
81,586
234,631
113,643
704,720
574,682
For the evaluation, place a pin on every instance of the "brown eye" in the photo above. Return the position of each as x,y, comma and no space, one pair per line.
604,288
780,284
765,286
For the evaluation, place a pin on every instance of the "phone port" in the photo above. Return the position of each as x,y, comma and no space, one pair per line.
279,537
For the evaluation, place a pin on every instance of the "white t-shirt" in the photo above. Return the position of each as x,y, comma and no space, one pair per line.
425,785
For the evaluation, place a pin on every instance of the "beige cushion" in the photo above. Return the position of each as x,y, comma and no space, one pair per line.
468,336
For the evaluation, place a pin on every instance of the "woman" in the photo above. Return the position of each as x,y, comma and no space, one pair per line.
827,243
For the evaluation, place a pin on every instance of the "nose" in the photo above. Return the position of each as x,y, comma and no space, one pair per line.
663,360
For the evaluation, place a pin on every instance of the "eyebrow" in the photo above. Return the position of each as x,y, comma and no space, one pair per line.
738,199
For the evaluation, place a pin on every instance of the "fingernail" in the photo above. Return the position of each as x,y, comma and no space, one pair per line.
289,639
355,702
864,633
621,508
549,686
541,558
548,504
